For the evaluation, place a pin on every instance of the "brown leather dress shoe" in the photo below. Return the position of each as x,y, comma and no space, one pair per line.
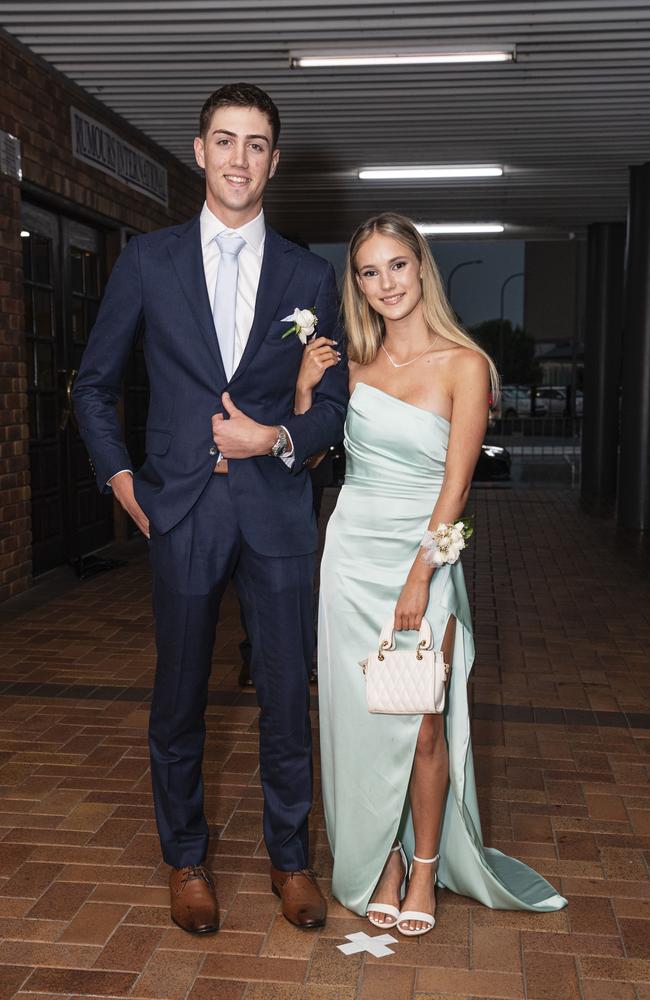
303,904
194,905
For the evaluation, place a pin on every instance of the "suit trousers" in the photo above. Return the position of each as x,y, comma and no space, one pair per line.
192,565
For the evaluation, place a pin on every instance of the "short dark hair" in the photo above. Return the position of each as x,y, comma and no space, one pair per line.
245,95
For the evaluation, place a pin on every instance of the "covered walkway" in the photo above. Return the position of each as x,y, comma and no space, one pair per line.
561,696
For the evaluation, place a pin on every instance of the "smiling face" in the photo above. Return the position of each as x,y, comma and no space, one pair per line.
237,155
388,274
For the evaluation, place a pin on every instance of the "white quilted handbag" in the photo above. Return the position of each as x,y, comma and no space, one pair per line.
406,682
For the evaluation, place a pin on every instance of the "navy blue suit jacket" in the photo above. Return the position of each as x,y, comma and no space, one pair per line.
159,279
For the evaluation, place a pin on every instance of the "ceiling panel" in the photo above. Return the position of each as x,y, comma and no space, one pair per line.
565,120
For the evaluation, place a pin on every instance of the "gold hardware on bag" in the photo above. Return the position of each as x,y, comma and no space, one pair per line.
384,645
421,645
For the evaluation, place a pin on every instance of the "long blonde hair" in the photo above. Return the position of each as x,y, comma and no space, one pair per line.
365,327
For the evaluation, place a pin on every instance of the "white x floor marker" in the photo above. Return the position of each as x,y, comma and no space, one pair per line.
376,946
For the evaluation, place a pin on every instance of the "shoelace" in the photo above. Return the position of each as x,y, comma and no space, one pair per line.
193,872
307,872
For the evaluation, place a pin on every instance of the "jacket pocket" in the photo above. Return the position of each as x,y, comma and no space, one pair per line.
157,442
276,331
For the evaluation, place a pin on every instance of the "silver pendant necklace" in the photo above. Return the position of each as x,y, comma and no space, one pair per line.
404,364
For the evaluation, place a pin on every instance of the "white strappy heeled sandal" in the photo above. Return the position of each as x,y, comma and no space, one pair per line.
390,911
427,918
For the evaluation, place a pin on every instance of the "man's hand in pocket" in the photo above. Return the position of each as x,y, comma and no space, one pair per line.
122,486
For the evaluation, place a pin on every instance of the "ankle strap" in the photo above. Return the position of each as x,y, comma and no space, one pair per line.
426,861
397,847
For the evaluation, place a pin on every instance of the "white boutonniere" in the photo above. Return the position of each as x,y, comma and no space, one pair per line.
303,324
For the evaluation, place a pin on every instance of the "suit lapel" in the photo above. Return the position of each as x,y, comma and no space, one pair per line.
187,259
278,265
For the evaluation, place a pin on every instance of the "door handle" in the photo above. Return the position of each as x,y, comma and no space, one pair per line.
67,416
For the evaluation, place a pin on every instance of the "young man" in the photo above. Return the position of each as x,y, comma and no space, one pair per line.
223,492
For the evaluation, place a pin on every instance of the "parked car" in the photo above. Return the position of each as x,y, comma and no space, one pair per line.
493,463
554,398
516,401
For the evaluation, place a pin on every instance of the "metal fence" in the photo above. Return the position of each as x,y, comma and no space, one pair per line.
540,427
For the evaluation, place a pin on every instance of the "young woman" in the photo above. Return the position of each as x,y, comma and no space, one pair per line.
403,786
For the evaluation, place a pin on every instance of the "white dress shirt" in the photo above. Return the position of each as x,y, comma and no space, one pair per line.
250,267
248,279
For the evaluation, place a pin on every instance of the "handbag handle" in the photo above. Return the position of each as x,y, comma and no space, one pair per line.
387,639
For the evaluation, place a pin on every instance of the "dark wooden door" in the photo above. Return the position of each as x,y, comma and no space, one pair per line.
64,268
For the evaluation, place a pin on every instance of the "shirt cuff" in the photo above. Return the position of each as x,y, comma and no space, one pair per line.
287,455
109,481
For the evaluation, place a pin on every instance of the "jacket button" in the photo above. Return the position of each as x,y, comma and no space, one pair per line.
213,449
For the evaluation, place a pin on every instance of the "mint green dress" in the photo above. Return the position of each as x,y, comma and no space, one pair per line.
395,456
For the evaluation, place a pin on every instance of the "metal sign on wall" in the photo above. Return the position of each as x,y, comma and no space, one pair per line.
93,143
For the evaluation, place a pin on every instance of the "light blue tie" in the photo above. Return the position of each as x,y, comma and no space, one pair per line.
225,297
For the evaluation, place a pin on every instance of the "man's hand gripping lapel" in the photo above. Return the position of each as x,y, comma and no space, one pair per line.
238,436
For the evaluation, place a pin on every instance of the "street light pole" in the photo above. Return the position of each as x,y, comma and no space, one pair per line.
511,277
463,263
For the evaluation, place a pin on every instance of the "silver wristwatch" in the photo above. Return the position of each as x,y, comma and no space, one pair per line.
281,443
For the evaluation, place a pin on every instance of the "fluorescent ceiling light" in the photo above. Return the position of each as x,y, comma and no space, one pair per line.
427,173
25,233
319,59
459,228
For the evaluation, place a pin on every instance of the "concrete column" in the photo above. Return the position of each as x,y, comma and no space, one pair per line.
633,508
602,373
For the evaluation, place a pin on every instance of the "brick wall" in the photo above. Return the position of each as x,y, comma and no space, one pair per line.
35,102
15,528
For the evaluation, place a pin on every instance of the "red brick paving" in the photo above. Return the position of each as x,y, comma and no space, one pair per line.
561,694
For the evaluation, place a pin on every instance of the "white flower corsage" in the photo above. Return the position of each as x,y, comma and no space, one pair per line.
304,324
445,544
